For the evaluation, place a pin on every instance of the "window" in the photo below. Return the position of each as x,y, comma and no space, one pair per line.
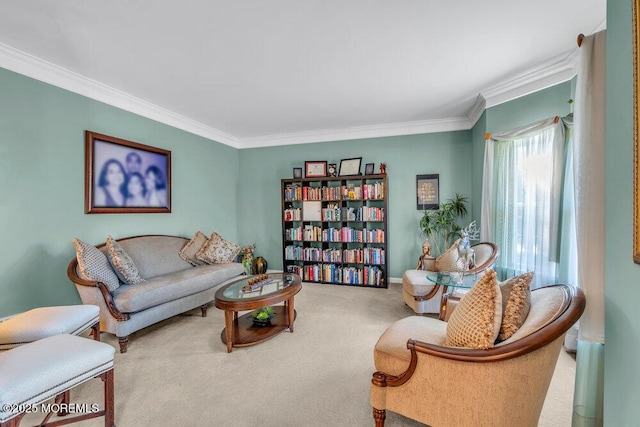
524,176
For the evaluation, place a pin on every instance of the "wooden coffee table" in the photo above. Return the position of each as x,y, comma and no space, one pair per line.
240,331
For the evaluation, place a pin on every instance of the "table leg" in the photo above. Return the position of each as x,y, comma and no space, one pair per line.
228,320
443,303
291,312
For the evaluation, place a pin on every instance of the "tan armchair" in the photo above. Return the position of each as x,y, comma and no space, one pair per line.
424,296
505,385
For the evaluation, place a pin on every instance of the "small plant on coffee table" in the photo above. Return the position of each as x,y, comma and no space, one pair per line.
262,316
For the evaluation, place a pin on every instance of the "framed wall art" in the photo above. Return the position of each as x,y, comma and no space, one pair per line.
369,168
125,177
350,167
314,169
428,191
297,172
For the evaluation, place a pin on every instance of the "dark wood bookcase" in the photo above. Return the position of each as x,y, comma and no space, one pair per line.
334,229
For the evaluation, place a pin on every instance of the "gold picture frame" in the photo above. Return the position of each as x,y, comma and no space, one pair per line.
636,142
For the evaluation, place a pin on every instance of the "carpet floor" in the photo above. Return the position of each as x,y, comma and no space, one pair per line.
178,372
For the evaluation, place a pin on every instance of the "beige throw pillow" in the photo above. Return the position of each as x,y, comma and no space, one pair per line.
122,263
448,260
218,250
475,322
94,265
516,303
190,251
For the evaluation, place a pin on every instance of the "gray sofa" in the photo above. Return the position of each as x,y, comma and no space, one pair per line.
172,286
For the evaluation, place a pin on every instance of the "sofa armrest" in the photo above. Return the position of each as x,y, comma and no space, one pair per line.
72,273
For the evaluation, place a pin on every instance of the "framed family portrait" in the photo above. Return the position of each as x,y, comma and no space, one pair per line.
315,169
350,167
125,177
428,191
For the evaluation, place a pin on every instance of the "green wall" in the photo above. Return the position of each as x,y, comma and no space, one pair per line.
42,187
622,287
540,105
447,153
478,133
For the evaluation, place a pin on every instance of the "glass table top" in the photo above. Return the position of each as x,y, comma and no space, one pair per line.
454,279
243,289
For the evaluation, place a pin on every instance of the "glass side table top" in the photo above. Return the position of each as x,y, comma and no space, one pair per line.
454,279
277,282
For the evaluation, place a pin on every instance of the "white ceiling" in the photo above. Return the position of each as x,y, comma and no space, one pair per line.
255,72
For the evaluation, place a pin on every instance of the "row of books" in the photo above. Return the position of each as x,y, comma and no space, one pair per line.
359,255
335,273
293,214
345,192
363,213
311,233
293,192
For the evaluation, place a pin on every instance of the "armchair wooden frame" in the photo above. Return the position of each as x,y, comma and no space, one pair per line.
570,312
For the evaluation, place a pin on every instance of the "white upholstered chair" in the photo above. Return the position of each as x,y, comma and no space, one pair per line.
33,373
44,358
424,296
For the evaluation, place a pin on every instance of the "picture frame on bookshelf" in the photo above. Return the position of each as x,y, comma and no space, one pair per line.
428,191
350,167
369,168
297,172
315,169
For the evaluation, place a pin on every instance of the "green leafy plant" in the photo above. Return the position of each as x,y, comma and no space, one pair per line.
440,226
263,313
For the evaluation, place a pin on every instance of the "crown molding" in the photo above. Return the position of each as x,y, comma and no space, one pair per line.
358,132
31,66
559,69
476,110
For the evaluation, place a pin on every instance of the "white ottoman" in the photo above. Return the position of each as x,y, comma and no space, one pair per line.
33,373
44,322
416,290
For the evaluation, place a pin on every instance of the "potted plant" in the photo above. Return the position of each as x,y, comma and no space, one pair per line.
440,225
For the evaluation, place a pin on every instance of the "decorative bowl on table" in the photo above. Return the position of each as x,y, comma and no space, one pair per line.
262,316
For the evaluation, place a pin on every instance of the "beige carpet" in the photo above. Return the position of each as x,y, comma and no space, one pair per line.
179,373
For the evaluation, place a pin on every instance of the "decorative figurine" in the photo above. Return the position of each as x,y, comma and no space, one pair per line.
426,254
383,168
466,253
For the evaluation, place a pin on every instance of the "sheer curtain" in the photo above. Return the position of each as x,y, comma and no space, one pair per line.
522,199
589,171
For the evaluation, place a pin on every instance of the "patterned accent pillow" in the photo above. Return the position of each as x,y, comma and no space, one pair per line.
448,260
218,250
516,303
122,263
475,323
94,265
191,249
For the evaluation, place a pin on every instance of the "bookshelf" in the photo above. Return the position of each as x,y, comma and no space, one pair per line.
334,229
